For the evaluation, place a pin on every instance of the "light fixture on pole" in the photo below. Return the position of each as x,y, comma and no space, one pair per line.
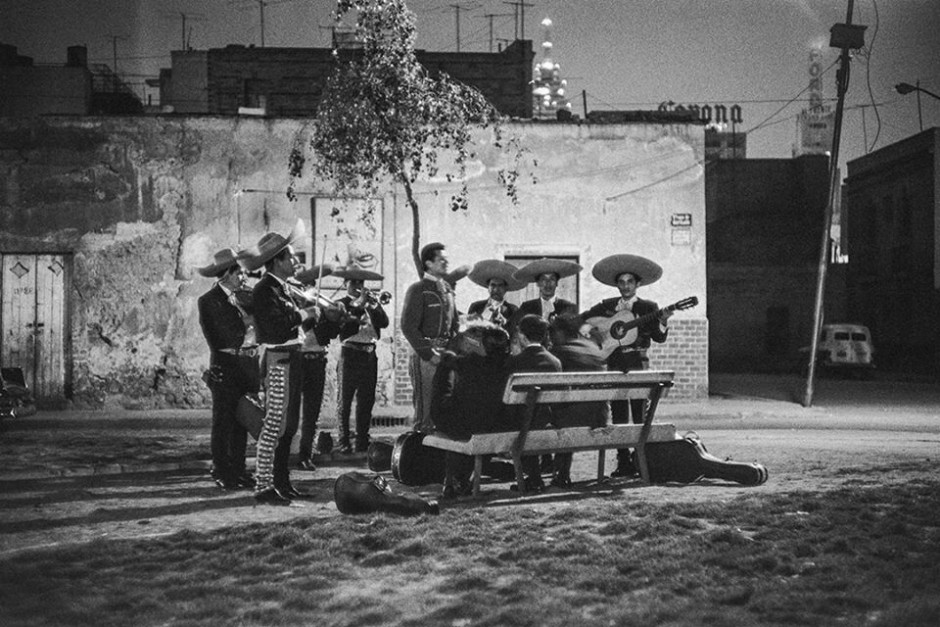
906,88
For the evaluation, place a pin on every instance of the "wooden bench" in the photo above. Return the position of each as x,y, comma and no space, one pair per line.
532,389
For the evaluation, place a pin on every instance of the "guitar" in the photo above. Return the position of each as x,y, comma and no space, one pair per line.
620,329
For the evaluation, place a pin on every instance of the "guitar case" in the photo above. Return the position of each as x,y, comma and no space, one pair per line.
685,460
364,493
249,413
413,463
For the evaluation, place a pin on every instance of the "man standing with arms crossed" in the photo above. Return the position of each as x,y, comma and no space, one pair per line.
428,320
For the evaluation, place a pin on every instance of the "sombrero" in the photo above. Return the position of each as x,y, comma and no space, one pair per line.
488,269
222,260
609,268
310,275
270,245
531,272
355,273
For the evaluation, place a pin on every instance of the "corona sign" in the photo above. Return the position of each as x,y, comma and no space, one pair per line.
717,114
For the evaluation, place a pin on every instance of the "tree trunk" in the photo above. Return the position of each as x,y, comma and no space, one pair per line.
415,225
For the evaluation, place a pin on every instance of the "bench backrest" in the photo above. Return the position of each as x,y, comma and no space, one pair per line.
575,387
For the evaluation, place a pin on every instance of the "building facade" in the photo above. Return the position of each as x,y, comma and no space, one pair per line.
288,82
892,223
103,220
765,222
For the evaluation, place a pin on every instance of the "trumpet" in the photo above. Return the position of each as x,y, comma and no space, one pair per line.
374,296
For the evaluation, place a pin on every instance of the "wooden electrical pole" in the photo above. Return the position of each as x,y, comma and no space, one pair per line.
842,86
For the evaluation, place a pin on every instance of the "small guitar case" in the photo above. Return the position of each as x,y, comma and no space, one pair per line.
413,463
364,493
685,460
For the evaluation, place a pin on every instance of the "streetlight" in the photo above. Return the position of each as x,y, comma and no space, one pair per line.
906,88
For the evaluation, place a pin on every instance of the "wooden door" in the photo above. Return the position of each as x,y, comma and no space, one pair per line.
33,322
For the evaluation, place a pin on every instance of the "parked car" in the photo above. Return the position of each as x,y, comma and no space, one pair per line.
845,347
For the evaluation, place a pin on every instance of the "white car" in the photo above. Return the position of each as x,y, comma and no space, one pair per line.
844,346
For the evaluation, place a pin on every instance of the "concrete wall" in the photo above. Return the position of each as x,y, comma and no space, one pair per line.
138,203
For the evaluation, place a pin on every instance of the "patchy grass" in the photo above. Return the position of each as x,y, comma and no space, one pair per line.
863,554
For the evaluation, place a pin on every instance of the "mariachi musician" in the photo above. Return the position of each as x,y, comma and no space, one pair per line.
627,273
225,319
497,277
358,367
281,314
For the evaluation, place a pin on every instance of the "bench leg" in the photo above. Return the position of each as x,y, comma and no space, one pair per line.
517,464
477,471
600,465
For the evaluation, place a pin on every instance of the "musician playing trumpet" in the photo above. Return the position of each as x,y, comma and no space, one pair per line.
627,273
357,370
497,277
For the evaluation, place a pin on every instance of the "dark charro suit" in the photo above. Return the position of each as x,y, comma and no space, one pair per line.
224,327
632,357
481,310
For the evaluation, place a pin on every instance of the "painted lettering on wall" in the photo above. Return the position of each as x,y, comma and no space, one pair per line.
709,114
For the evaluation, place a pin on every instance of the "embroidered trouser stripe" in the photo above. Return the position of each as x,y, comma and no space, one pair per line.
267,440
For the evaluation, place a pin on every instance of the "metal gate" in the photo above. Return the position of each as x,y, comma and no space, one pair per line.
33,322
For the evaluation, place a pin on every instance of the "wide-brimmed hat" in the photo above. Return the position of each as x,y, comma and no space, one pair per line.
222,260
310,275
609,268
484,271
270,245
355,273
531,272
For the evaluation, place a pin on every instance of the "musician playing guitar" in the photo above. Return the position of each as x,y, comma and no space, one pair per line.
627,273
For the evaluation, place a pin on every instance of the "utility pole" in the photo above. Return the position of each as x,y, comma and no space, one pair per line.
261,9
519,14
844,36
457,11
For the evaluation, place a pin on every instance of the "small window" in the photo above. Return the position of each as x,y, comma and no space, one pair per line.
842,335
859,337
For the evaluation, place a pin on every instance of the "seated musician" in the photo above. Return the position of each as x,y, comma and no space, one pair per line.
577,354
627,273
532,336
467,395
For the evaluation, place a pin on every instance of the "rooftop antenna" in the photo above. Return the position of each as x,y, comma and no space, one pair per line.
519,9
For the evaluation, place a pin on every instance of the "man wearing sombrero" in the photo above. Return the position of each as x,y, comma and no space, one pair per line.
546,273
358,367
627,273
279,320
225,323
497,277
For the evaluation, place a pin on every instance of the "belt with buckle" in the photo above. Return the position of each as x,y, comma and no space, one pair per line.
360,346
244,351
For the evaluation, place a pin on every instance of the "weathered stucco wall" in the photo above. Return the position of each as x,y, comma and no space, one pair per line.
138,203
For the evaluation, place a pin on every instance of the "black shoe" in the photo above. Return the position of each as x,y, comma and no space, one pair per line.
225,483
245,481
271,497
449,493
346,449
561,481
306,463
625,470
533,485
464,488
290,492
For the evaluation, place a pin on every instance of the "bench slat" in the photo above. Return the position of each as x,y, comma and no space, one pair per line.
567,440
568,387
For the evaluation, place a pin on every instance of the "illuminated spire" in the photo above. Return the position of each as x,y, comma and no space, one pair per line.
549,91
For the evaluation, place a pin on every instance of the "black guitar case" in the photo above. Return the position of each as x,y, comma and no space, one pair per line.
364,493
415,464
379,456
686,460
249,413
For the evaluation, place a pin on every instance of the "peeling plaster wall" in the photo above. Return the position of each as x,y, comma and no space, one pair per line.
140,202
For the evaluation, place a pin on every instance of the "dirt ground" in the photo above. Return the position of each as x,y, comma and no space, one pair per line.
63,510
